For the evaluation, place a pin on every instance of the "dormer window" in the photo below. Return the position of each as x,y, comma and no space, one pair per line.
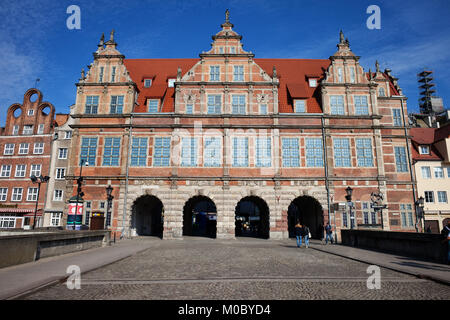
147,83
381,92
31,112
153,105
424,149
300,106
171,82
313,83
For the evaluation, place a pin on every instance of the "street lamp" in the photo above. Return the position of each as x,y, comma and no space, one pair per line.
348,197
79,192
377,199
38,180
109,198
419,204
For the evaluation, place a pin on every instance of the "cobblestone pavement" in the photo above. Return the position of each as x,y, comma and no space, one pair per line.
200,268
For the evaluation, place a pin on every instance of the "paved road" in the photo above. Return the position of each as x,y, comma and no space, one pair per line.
200,268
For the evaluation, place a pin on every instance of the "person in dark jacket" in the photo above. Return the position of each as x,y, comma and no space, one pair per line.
298,233
306,235
329,233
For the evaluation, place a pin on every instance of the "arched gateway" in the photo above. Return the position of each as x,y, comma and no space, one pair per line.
199,217
147,216
310,213
252,218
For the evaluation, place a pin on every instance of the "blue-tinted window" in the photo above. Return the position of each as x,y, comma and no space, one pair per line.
238,73
214,73
290,149
189,152
214,104
300,106
240,152
238,104
153,106
364,152
212,154
111,152
400,159
139,152
116,104
91,105
314,152
189,108
361,106
337,105
397,116
263,152
342,152
88,151
161,153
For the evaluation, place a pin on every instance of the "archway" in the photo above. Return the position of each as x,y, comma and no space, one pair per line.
148,216
252,218
310,213
199,217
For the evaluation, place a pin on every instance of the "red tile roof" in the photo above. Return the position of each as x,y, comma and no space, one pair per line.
428,136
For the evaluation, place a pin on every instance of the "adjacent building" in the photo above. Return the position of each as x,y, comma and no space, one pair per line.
229,145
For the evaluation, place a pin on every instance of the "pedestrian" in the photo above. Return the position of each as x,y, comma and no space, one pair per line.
329,233
298,233
307,235
446,232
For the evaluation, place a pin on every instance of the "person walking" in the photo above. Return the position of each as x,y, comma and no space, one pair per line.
329,233
306,235
298,233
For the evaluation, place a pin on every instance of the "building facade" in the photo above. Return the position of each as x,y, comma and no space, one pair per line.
228,145
431,154
25,150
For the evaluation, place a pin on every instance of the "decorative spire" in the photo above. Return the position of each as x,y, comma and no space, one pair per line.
112,36
179,74
370,74
377,66
82,74
274,75
102,39
341,37
227,16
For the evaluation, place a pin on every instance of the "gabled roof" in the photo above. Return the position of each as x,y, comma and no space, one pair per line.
428,136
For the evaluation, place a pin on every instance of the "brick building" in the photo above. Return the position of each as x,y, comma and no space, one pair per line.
25,150
227,144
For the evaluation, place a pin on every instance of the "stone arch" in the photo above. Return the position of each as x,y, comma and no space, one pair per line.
309,211
147,214
252,217
199,217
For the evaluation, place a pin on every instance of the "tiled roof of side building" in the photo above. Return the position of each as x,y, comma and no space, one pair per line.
424,136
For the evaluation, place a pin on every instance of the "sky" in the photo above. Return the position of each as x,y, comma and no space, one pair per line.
36,43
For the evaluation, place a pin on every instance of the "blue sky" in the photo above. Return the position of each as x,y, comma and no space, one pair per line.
35,42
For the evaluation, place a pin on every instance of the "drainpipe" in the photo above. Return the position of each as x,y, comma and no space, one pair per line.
125,198
409,162
325,162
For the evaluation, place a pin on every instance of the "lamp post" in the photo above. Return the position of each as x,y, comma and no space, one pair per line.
109,198
38,180
377,199
419,204
348,197
79,192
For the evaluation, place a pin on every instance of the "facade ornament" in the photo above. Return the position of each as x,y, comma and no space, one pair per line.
377,66
112,36
227,16
179,74
274,72
83,76
102,40
341,37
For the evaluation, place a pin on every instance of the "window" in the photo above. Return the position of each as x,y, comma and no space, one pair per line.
424,149
3,194
233,50
153,105
15,131
342,152
102,204
100,77
171,83
364,152
62,153
314,152
290,152
6,170
300,106
17,194
429,196
238,104
396,115
58,195
161,155
147,83
68,135
400,159
21,170
27,129
91,105
31,112
426,172
116,105
212,152
407,215
32,194
188,152
214,104
238,73
313,83
361,106
111,152
263,152
340,77
88,212
38,148
60,173
7,221
438,172
263,108
139,152
352,75
23,148
88,150
220,49
240,152
113,74
9,149
56,219
442,196
337,105
214,73
40,129
369,214
381,92
35,170
189,108
345,219
448,172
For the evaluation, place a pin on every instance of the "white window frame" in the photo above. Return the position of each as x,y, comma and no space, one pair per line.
424,149
35,168
262,106
60,173
58,195
171,82
5,171
38,149
426,172
438,172
64,153
18,193
40,129
23,171
27,130
312,83
55,219
24,148
32,196
9,149
148,80
15,130
30,112
299,101
68,134
3,194
439,193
